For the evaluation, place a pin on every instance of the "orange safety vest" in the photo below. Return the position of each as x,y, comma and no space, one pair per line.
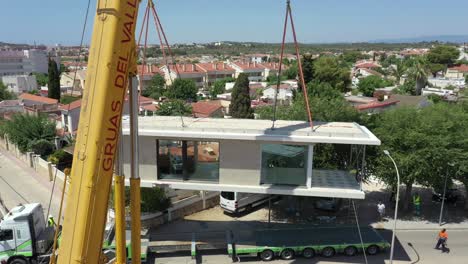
443,235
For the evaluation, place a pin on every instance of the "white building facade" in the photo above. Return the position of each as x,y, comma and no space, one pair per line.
20,83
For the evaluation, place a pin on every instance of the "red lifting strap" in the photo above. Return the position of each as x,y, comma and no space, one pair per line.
301,73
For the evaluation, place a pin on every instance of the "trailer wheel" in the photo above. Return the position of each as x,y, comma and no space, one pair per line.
372,249
350,251
328,252
308,253
267,255
18,260
287,254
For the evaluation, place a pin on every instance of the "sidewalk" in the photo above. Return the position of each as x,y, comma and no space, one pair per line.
454,216
19,183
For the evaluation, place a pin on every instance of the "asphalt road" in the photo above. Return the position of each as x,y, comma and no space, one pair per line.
21,184
422,251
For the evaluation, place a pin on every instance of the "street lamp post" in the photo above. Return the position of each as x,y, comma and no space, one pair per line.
443,196
396,206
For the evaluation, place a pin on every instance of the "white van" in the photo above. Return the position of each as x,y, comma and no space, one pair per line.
234,202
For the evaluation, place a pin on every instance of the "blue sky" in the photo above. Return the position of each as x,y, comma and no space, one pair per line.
59,21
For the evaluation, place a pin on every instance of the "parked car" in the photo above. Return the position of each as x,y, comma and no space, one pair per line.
452,195
328,204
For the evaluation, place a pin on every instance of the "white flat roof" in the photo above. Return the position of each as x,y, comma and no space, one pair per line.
264,189
254,130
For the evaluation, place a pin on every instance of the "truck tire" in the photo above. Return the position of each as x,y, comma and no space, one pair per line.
308,253
372,250
328,252
350,251
267,255
18,260
287,254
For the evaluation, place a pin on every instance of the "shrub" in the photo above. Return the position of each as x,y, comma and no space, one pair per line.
41,147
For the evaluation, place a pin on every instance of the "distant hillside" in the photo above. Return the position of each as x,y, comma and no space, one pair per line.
440,38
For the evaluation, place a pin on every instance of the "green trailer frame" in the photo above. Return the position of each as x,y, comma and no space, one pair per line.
326,241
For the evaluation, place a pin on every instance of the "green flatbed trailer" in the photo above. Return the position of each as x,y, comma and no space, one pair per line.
306,242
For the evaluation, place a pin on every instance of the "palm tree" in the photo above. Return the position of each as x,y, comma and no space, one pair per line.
398,71
419,72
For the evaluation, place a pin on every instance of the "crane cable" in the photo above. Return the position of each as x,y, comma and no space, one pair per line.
301,73
162,37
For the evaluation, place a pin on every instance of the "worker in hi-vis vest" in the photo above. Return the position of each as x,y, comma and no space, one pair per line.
417,204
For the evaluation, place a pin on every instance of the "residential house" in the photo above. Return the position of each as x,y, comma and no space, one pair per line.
146,73
67,79
184,71
70,117
255,71
364,72
271,68
366,65
202,109
370,104
20,83
259,58
215,71
10,106
445,82
457,72
34,104
285,93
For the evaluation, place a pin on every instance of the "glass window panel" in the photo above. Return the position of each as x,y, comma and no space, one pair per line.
188,160
284,164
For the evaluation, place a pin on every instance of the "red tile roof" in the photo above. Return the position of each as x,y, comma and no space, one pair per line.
376,104
142,100
274,66
460,68
150,107
367,65
216,67
249,65
39,99
73,105
149,69
186,68
205,108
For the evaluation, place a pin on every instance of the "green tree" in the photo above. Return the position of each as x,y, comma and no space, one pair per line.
322,90
330,70
418,72
368,85
434,68
54,81
156,88
183,89
443,54
4,93
353,56
41,78
308,68
292,71
240,98
219,87
174,108
23,130
398,70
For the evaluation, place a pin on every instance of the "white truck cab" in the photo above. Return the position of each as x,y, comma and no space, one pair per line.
24,234
235,202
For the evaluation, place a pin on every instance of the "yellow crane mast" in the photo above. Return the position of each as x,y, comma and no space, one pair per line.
112,57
